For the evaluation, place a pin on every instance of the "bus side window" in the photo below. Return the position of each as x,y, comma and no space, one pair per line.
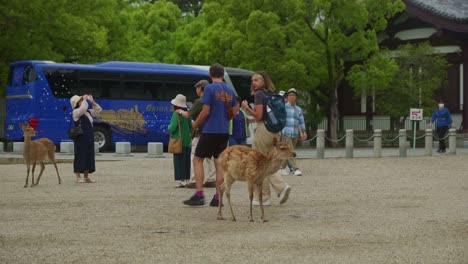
90,87
135,90
29,75
110,89
153,88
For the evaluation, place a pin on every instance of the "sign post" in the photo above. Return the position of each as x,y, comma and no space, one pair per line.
416,114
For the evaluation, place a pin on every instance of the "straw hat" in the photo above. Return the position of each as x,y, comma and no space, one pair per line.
74,100
179,101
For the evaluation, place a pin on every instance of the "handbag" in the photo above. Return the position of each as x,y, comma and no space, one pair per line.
175,144
75,132
230,111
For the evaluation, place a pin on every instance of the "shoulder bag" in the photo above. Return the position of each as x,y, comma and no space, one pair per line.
175,144
76,131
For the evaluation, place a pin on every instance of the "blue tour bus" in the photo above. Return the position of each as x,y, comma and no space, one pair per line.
135,97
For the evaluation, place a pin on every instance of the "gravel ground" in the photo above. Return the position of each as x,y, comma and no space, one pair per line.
361,210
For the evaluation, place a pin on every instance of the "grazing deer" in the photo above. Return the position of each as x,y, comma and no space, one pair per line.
37,150
246,164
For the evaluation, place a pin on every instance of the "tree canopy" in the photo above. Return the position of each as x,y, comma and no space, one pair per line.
303,44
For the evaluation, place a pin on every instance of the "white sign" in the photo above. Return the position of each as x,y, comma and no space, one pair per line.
416,114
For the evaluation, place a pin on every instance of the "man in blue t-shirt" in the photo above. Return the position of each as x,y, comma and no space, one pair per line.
215,133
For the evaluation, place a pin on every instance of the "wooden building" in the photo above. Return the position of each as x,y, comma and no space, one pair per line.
442,23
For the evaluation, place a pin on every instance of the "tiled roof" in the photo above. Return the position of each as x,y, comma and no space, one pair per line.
456,10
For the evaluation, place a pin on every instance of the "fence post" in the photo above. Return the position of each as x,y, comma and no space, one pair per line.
378,143
402,142
349,143
428,142
320,144
452,141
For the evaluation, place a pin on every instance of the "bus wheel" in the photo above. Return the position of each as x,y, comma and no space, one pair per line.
102,136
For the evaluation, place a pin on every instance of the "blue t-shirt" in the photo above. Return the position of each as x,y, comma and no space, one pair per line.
215,95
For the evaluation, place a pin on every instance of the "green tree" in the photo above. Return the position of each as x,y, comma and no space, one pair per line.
373,77
347,31
421,72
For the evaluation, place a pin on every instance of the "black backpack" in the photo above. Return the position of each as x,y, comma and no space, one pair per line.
275,112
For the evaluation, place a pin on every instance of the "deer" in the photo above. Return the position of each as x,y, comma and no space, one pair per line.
37,150
242,163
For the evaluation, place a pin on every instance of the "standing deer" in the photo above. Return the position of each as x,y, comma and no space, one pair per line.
245,164
37,150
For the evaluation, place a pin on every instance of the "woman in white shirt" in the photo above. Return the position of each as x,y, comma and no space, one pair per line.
84,160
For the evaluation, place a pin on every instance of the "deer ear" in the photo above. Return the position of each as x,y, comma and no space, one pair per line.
275,142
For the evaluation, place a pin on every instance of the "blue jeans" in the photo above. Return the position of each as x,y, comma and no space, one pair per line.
237,141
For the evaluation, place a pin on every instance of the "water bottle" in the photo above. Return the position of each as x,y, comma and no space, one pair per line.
272,116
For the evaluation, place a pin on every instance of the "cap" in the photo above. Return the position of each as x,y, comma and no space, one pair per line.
202,83
292,90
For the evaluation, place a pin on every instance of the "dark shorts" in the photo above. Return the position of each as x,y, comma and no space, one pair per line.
211,145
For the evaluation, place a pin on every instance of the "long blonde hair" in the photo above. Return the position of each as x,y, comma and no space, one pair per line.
267,82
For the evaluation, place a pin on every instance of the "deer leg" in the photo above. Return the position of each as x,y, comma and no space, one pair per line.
260,198
40,174
58,175
52,159
229,181
28,166
220,203
32,173
250,186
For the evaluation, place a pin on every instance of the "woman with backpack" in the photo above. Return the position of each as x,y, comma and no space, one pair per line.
263,139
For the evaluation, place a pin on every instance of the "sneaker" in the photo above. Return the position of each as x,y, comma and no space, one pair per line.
284,195
195,200
284,172
214,202
179,185
297,172
209,184
265,203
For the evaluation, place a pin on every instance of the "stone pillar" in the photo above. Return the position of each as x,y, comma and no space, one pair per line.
18,147
320,144
67,147
428,142
122,149
452,141
155,150
349,143
402,142
378,143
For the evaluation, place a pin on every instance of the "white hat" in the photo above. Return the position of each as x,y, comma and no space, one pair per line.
74,100
281,93
292,90
179,101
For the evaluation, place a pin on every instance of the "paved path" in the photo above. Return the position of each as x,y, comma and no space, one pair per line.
361,210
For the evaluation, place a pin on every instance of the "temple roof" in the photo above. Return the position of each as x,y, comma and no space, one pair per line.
456,10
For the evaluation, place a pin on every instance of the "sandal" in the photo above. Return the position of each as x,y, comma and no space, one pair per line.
88,180
79,180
